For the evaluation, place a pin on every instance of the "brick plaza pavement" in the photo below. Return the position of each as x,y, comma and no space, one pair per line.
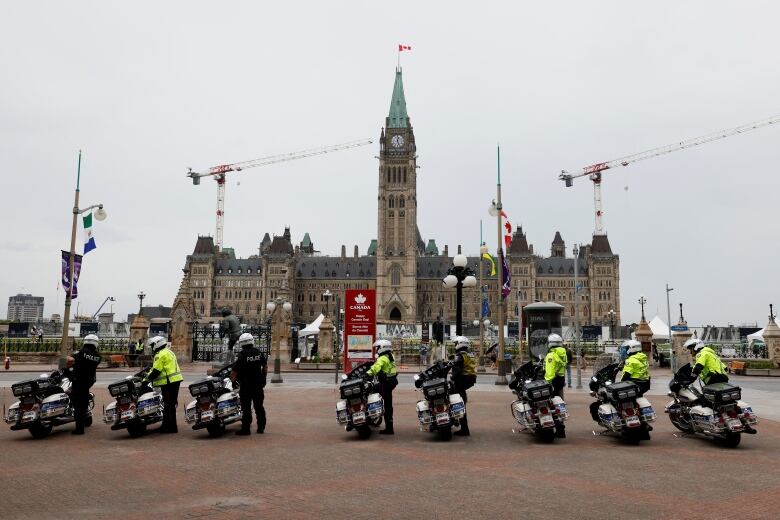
307,467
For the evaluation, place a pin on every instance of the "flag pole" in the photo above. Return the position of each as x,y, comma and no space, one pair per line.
482,248
71,267
501,378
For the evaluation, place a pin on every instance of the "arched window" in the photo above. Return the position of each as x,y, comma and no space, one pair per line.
391,202
387,171
404,174
202,309
395,177
395,314
395,275
401,202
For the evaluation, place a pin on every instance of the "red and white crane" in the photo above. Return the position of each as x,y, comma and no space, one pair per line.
594,170
219,172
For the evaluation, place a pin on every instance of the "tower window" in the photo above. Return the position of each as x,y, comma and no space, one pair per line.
401,203
404,174
395,276
388,175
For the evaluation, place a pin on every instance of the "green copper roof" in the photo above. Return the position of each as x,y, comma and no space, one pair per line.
431,248
306,240
398,118
230,252
372,248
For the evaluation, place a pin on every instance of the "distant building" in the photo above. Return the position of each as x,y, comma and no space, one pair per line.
25,307
405,270
159,311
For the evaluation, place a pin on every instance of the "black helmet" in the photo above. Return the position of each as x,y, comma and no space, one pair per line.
226,312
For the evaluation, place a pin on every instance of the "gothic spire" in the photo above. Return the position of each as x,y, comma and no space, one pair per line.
398,118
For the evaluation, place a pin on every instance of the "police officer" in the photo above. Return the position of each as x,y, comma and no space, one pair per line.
708,365
384,368
636,367
166,375
250,369
554,372
84,363
464,375
231,327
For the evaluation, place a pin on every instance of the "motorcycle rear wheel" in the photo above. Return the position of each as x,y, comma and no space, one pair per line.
445,433
39,431
633,436
136,429
547,435
364,432
732,440
215,430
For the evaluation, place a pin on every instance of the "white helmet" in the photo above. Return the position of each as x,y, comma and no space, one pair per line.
383,346
554,340
462,343
157,343
694,343
91,339
245,340
632,346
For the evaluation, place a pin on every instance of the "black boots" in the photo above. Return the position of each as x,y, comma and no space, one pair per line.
464,428
388,430
243,432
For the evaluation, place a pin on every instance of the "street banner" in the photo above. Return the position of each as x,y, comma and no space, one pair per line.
66,273
506,286
359,326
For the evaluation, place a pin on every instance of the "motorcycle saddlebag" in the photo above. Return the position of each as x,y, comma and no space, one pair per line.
206,386
722,393
538,390
623,391
31,386
435,388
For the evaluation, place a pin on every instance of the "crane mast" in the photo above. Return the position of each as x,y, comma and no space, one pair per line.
593,171
219,174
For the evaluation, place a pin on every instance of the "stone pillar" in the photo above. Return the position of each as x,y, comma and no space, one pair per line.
139,329
679,337
325,339
644,335
772,340
181,336
280,335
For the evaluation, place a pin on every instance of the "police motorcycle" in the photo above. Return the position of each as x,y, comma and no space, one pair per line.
217,403
137,404
44,402
620,408
360,407
536,409
715,411
442,407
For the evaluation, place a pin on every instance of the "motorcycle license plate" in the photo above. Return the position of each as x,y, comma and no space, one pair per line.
632,421
206,415
735,424
442,418
359,417
546,420
28,416
127,414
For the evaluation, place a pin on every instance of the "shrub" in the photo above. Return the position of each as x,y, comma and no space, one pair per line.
760,365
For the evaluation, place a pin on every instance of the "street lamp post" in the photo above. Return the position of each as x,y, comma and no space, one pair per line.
141,297
611,315
459,276
577,346
669,318
100,214
272,307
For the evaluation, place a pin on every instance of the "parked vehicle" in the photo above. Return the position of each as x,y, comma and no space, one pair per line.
360,407
44,402
442,407
716,411
217,403
536,409
621,408
136,405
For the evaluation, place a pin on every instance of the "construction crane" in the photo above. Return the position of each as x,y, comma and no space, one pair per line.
108,299
594,170
219,172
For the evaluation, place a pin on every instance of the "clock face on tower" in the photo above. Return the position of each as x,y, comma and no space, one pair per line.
397,141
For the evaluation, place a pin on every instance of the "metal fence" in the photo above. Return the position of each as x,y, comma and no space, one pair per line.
211,343
116,345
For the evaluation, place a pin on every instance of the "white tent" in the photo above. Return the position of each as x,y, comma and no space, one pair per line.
758,335
312,328
659,328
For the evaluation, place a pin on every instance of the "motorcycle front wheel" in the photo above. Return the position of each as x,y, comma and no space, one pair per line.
680,423
445,433
39,431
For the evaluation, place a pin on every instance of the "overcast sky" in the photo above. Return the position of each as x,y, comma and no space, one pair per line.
147,89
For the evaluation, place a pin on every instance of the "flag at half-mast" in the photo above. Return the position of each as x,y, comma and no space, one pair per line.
507,226
404,47
89,239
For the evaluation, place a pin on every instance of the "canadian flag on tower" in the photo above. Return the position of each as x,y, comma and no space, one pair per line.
404,47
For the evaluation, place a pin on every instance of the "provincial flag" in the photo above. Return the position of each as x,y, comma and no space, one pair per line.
404,47
492,261
89,240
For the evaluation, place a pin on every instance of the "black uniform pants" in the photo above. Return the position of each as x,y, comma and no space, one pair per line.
558,383
387,384
170,395
718,378
79,397
250,396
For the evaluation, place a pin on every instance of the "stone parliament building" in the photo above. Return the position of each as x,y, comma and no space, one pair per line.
406,271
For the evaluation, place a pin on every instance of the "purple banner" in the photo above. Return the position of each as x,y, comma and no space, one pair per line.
506,287
66,273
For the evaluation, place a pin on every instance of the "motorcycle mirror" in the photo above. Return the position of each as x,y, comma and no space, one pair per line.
417,377
343,377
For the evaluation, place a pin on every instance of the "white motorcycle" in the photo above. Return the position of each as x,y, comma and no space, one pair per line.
360,407
716,411
216,405
44,402
136,405
442,407
536,409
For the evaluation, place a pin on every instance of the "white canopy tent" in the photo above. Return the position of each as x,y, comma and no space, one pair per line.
312,328
756,336
659,328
